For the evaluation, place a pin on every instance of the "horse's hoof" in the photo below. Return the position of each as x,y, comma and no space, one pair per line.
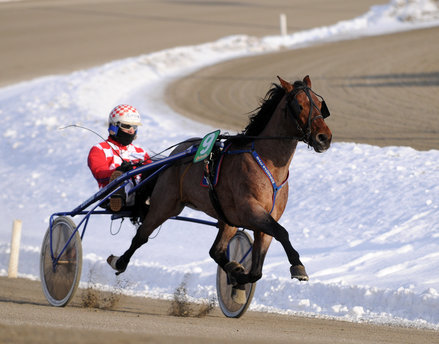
233,270
238,296
299,272
234,267
112,260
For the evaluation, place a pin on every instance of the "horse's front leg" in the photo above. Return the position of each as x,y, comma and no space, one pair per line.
260,247
262,221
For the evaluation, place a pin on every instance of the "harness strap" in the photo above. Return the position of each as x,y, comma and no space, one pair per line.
295,112
214,196
264,168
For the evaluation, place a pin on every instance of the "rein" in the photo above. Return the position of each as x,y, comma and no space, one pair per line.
292,107
250,138
295,109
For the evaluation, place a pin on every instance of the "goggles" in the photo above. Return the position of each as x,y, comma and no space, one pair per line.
127,126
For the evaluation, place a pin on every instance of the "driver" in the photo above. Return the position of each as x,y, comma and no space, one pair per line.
109,159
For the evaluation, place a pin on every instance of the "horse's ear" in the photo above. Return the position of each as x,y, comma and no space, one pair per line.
285,84
307,81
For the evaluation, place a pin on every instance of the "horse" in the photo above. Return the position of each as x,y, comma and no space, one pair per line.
253,188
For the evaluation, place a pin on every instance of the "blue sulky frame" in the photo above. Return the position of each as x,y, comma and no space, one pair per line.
226,290
103,194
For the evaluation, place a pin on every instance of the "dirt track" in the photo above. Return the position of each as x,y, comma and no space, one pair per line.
40,37
380,90
26,317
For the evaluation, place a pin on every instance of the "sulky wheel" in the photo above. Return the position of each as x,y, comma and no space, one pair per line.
239,250
60,279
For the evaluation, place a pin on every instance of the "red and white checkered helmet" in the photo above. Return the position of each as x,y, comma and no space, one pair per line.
124,113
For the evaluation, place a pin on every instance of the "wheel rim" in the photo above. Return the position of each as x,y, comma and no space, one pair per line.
239,247
60,284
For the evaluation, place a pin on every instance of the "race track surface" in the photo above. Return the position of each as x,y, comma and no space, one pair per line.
26,317
381,90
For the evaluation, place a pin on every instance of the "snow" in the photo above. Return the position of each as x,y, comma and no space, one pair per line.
364,218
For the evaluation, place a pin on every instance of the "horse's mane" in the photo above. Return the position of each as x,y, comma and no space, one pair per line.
261,115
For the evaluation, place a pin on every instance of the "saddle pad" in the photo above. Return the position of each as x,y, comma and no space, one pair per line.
216,171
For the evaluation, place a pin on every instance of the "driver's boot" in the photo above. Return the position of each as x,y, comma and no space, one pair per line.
117,199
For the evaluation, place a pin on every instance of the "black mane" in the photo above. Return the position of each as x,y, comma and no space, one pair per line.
260,116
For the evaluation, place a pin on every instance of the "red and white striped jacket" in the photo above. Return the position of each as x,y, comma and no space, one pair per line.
103,159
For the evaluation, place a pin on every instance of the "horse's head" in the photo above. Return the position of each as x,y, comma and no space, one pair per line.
309,110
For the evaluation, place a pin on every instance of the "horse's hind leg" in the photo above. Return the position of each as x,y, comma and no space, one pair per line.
219,247
232,268
156,216
219,255
142,235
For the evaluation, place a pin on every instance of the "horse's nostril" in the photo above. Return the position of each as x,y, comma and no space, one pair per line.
322,138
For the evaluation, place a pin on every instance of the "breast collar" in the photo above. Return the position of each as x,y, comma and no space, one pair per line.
264,168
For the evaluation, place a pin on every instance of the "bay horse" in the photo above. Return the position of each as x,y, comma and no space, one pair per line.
252,195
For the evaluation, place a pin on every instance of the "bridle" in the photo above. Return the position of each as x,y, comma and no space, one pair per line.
294,108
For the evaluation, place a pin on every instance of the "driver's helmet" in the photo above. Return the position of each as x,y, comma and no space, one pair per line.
123,114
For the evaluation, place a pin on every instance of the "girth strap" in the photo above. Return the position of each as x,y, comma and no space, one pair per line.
213,195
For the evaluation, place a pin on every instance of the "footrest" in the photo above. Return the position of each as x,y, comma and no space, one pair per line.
122,214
